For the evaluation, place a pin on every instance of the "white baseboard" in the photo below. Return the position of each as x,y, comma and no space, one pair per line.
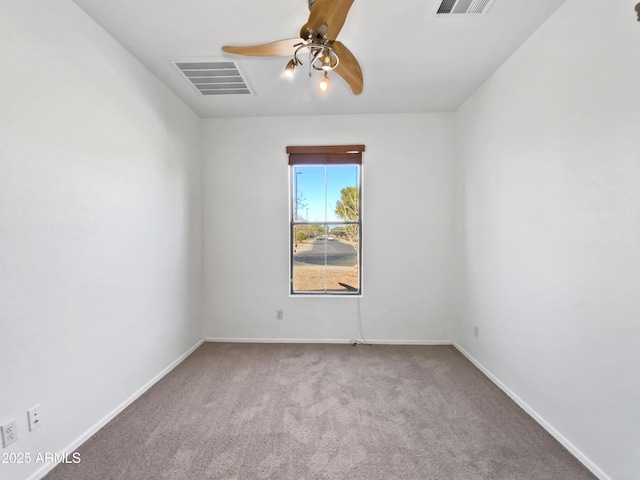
410,342
537,417
46,468
327,340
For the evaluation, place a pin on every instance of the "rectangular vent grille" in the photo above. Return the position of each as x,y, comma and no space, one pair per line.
468,7
215,78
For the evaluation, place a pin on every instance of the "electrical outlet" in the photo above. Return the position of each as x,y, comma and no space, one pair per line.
476,330
9,433
279,314
33,414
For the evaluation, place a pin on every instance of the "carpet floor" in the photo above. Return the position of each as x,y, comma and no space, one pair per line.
307,412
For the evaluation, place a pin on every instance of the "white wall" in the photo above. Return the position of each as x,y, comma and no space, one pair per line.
100,225
550,212
407,229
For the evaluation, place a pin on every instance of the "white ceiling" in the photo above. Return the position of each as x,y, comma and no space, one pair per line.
412,60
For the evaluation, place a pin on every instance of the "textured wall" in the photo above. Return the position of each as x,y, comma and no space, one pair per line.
99,225
550,211
407,229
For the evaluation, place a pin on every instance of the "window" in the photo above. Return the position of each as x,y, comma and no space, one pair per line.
325,220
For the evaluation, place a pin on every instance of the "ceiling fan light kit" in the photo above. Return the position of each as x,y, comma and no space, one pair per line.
318,40
321,58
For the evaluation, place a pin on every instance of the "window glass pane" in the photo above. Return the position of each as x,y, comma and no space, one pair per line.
317,191
325,260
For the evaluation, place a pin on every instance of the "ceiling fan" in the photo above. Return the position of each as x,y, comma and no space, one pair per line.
318,40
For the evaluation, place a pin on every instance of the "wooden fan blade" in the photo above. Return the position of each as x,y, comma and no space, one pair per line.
281,48
348,68
331,13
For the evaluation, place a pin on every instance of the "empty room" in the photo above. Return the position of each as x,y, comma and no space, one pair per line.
320,239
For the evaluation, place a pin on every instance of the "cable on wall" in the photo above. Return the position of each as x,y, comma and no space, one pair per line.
362,340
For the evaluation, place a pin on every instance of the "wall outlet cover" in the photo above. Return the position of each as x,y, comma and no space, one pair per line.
9,433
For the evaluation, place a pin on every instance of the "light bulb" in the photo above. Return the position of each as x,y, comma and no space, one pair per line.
290,68
324,83
326,60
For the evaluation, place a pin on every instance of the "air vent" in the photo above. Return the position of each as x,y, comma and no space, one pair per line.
464,7
214,78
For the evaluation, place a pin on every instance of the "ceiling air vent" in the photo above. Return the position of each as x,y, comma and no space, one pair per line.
468,7
214,78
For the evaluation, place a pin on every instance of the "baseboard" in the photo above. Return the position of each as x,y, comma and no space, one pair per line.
537,417
327,340
41,472
411,342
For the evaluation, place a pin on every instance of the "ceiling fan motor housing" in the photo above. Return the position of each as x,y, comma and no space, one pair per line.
315,36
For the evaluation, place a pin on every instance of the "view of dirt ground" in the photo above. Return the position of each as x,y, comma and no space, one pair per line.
311,278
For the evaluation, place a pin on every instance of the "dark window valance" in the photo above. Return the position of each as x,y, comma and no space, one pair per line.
326,155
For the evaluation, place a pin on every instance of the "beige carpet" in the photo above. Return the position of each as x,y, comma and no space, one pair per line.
267,411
